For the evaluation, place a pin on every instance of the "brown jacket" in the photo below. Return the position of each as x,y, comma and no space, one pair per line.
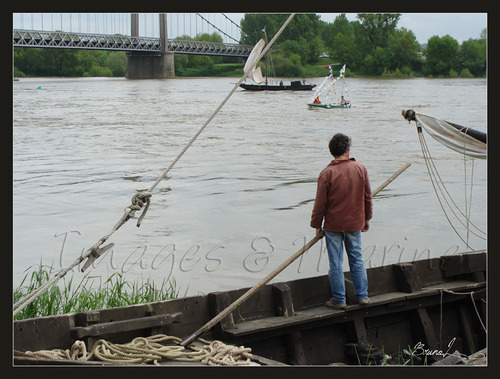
343,197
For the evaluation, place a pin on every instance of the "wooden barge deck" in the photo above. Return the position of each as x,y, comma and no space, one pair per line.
428,306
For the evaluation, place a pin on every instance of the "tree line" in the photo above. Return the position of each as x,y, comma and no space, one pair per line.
373,45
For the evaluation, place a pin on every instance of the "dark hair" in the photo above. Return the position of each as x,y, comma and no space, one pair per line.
339,144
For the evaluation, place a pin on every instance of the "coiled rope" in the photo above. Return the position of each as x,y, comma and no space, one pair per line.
157,348
142,197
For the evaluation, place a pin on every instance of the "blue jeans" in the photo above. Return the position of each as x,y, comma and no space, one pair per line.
335,242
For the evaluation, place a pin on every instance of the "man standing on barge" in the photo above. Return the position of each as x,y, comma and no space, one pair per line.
344,202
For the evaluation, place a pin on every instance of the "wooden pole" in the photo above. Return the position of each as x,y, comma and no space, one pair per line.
210,324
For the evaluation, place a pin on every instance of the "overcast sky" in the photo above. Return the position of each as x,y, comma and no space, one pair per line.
460,26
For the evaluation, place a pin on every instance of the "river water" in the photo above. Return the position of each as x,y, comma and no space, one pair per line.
239,201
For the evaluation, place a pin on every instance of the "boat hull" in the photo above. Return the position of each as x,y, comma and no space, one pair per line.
327,106
269,87
436,303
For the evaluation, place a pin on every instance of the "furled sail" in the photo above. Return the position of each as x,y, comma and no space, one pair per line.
458,138
256,75
249,69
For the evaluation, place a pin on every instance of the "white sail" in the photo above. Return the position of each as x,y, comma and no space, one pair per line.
256,75
253,58
451,137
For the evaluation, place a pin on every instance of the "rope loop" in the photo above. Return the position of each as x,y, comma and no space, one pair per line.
138,200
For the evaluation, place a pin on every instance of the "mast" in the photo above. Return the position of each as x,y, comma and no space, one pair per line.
265,57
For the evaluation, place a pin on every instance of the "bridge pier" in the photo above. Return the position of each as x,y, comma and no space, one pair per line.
150,65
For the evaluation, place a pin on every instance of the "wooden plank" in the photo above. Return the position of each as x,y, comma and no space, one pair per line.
283,302
294,348
219,301
407,277
425,326
115,327
467,327
359,326
314,315
271,323
460,264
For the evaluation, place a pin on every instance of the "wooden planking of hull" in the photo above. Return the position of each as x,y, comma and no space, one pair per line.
432,307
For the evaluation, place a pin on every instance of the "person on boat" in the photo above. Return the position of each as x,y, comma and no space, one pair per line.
316,100
343,102
343,208
281,83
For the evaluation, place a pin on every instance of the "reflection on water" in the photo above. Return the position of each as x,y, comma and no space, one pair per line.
238,203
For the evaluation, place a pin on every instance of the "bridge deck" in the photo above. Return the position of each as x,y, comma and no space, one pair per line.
33,38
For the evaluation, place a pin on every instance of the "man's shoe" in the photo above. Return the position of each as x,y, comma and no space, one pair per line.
332,304
364,301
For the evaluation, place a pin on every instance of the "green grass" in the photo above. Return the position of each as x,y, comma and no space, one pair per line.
85,296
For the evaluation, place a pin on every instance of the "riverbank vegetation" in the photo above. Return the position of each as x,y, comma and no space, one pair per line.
373,45
89,294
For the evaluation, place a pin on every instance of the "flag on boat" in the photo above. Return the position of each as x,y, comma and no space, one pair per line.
342,70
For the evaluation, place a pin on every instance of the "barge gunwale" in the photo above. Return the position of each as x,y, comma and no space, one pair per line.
285,323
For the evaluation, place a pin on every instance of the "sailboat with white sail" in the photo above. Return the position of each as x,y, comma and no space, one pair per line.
261,82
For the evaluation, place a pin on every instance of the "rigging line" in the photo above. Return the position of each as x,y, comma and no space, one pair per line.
465,187
434,186
208,22
441,183
440,180
129,211
164,174
467,209
471,187
432,175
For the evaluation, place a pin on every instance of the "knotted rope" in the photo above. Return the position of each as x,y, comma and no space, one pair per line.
160,347
141,197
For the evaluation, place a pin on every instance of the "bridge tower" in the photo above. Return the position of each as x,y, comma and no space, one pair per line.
148,65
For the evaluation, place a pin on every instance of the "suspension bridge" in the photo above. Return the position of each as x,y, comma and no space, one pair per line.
143,36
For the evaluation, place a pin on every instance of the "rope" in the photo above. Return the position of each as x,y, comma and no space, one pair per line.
471,294
436,180
142,197
160,347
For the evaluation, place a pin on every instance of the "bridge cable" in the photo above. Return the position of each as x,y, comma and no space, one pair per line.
140,198
243,30
208,22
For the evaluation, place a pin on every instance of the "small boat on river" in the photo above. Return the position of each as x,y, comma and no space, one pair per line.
295,85
332,92
421,312
262,83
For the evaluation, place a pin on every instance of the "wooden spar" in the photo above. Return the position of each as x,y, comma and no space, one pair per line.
210,324
388,181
